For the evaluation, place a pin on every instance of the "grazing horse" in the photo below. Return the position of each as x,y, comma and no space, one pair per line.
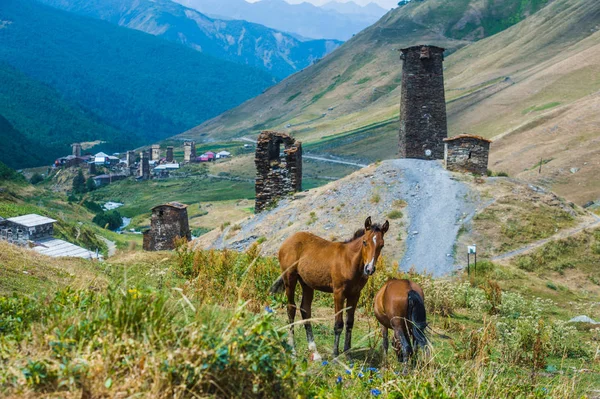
341,268
399,305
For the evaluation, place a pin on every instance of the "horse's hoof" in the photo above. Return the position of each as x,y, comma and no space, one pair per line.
316,357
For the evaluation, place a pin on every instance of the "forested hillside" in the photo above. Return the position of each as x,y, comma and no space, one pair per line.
128,81
239,41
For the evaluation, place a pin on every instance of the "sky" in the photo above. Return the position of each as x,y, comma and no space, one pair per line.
383,3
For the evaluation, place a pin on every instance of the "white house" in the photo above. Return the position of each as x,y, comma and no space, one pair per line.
223,154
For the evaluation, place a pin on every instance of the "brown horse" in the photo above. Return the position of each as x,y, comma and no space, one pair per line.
341,268
399,305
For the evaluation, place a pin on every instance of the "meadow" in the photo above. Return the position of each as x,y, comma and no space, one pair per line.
202,324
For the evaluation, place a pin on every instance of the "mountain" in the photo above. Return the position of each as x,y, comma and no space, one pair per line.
242,42
37,125
514,74
302,19
351,8
127,81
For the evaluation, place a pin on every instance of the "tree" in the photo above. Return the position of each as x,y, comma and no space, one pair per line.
79,183
111,220
90,184
36,178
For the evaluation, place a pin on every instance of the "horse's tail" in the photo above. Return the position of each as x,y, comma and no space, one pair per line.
418,317
278,286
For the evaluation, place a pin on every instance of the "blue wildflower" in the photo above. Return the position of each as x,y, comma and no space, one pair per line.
338,380
325,363
348,371
373,369
375,392
361,375
268,309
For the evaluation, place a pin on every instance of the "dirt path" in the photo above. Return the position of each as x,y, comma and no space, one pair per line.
112,246
563,234
437,205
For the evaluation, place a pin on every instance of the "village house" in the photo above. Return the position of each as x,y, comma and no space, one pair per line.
223,154
36,232
103,180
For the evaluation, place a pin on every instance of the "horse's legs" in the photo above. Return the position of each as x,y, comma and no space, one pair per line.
351,305
406,348
385,343
290,289
305,310
338,326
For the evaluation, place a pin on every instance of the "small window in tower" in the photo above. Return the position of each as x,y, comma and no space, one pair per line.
469,155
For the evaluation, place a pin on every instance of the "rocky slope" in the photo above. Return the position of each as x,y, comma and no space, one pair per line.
427,208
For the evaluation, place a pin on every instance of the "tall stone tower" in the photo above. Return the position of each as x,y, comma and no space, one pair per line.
76,149
423,124
156,152
169,154
144,165
130,158
189,151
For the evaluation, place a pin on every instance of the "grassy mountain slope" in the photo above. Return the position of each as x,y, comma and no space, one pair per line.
37,125
131,80
347,104
239,41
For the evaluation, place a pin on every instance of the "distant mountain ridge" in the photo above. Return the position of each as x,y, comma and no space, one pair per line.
279,53
68,77
351,8
303,19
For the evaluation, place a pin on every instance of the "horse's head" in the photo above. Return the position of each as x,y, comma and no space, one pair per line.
372,243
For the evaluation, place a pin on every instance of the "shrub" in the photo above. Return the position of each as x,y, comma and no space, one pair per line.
395,214
110,220
36,178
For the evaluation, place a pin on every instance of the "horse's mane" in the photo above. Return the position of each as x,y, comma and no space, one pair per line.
361,232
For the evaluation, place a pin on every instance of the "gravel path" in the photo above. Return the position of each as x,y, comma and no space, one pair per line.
437,205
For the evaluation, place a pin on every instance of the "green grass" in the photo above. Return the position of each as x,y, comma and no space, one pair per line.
292,97
538,108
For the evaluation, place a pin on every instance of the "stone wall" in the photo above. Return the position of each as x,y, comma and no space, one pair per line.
168,222
76,149
467,153
130,158
423,123
169,154
189,151
276,176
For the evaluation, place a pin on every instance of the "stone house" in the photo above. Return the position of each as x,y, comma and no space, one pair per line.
467,153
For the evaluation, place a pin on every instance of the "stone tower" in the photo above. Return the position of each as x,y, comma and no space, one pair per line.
144,165
189,151
168,222
130,158
276,176
169,154
76,149
423,125
156,152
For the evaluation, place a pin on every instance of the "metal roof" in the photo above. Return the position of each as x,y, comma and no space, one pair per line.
31,220
56,248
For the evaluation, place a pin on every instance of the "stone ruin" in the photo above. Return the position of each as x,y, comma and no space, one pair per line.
144,169
155,152
169,154
423,123
189,151
277,174
76,149
467,153
130,158
168,223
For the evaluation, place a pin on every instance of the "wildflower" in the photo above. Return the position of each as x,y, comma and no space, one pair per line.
338,380
268,309
348,371
373,369
325,363
360,375
375,392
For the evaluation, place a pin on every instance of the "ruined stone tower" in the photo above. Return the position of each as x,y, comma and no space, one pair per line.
155,152
169,154
423,125
189,151
130,158
276,176
144,165
76,149
168,222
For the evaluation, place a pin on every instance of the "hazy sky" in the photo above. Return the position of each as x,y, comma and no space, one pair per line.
383,3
